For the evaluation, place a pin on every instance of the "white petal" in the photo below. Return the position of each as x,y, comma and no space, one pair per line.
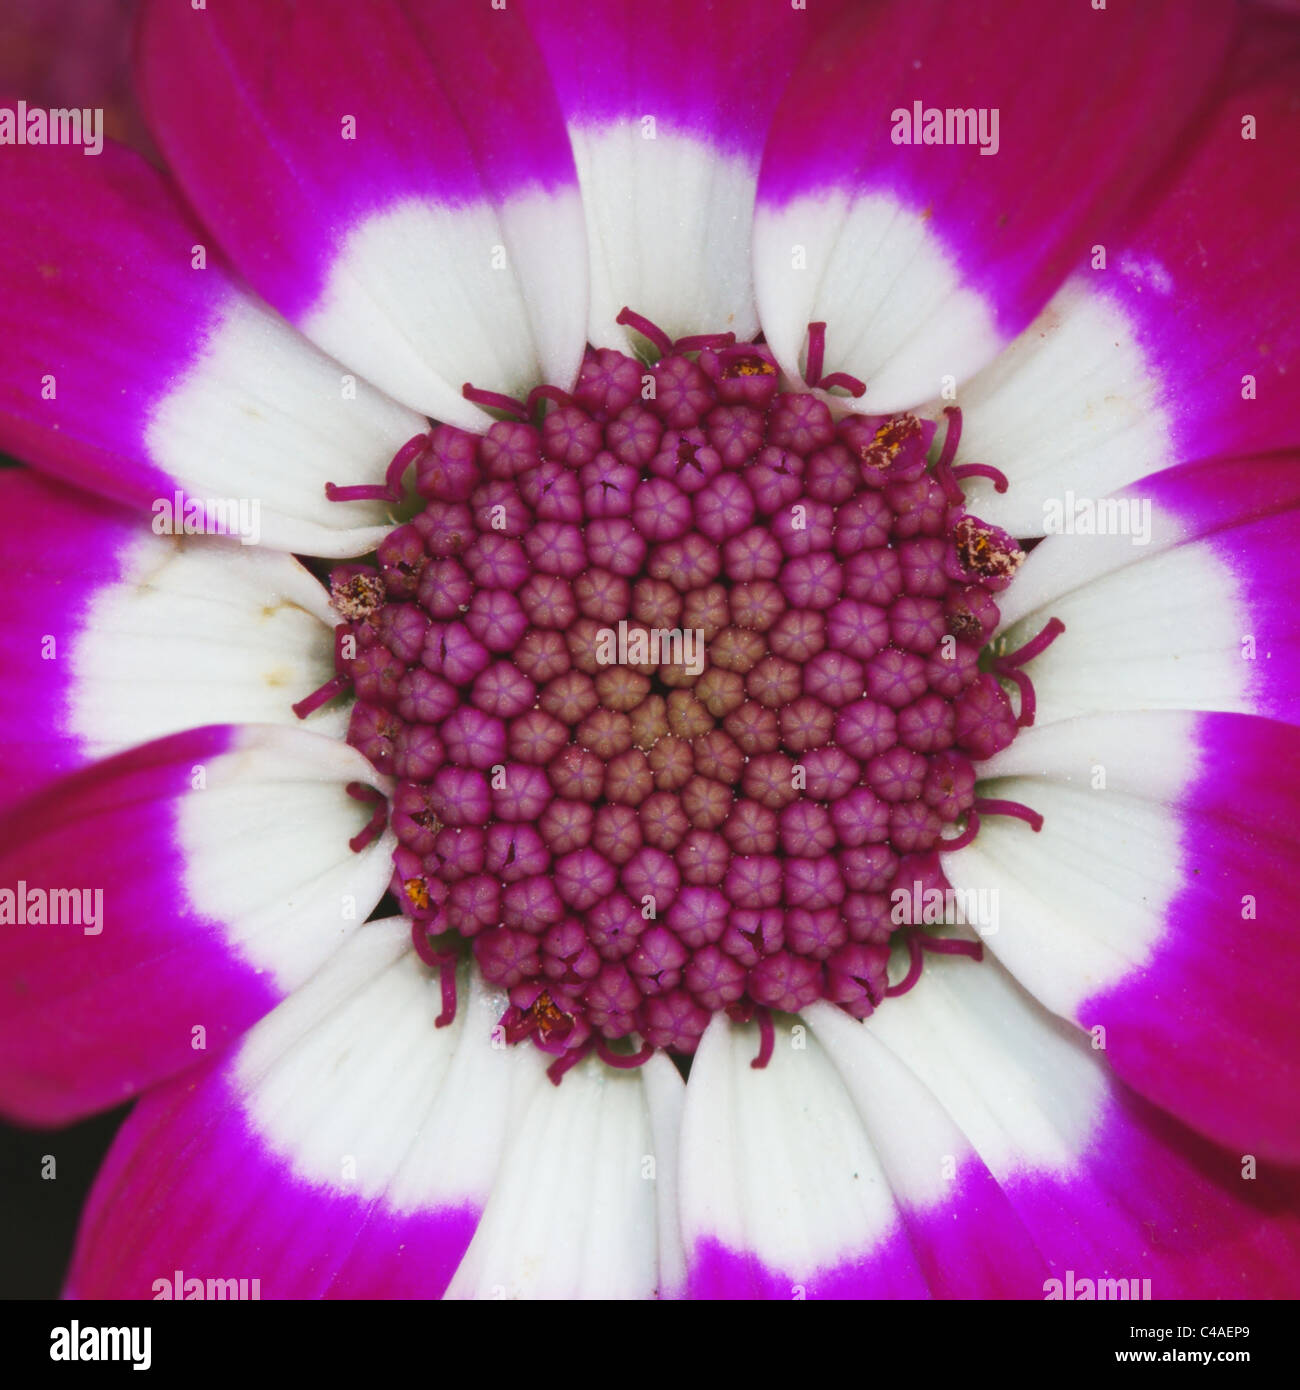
873,271
776,1163
1163,632
665,1094
425,297
666,225
262,417
264,834
1080,904
572,1213
911,1133
1021,1086
353,1086
1071,405
199,631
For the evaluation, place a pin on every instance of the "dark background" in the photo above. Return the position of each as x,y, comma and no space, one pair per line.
38,1216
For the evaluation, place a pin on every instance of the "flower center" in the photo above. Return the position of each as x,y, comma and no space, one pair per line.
680,680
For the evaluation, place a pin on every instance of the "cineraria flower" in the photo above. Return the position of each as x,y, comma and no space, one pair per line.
778,782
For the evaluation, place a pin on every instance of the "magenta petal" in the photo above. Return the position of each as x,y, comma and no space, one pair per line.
1209,281
1073,1176
190,1185
1153,909
49,532
413,164
157,904
717,1272
1175,340
1152,1201
1209,1028
351,1147
713,71
100,337
965,241
133,364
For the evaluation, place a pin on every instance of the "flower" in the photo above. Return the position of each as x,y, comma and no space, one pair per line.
1066,230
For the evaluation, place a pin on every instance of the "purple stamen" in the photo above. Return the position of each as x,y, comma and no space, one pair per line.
1028,700
1036,646
852,384
358,492
546,392
494,400
766,1038
410,452
987,806
982,470
331,690
915,962
337,685
697,342
969,832
953,946
918,943
391,489
650,331
423,946
447,962
951,439
624,1061
1007,668
943,469
371,831
568,1060
812,372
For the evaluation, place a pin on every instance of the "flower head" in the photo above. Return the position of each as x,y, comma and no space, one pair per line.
795,613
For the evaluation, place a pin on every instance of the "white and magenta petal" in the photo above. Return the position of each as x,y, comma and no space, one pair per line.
925,256
783,1195
1185,601
117,636
133,365
994,1145
1153,909
1178,342
195,882
343,1115
1105,1185
668,109
380,1156
967,1240
413,164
